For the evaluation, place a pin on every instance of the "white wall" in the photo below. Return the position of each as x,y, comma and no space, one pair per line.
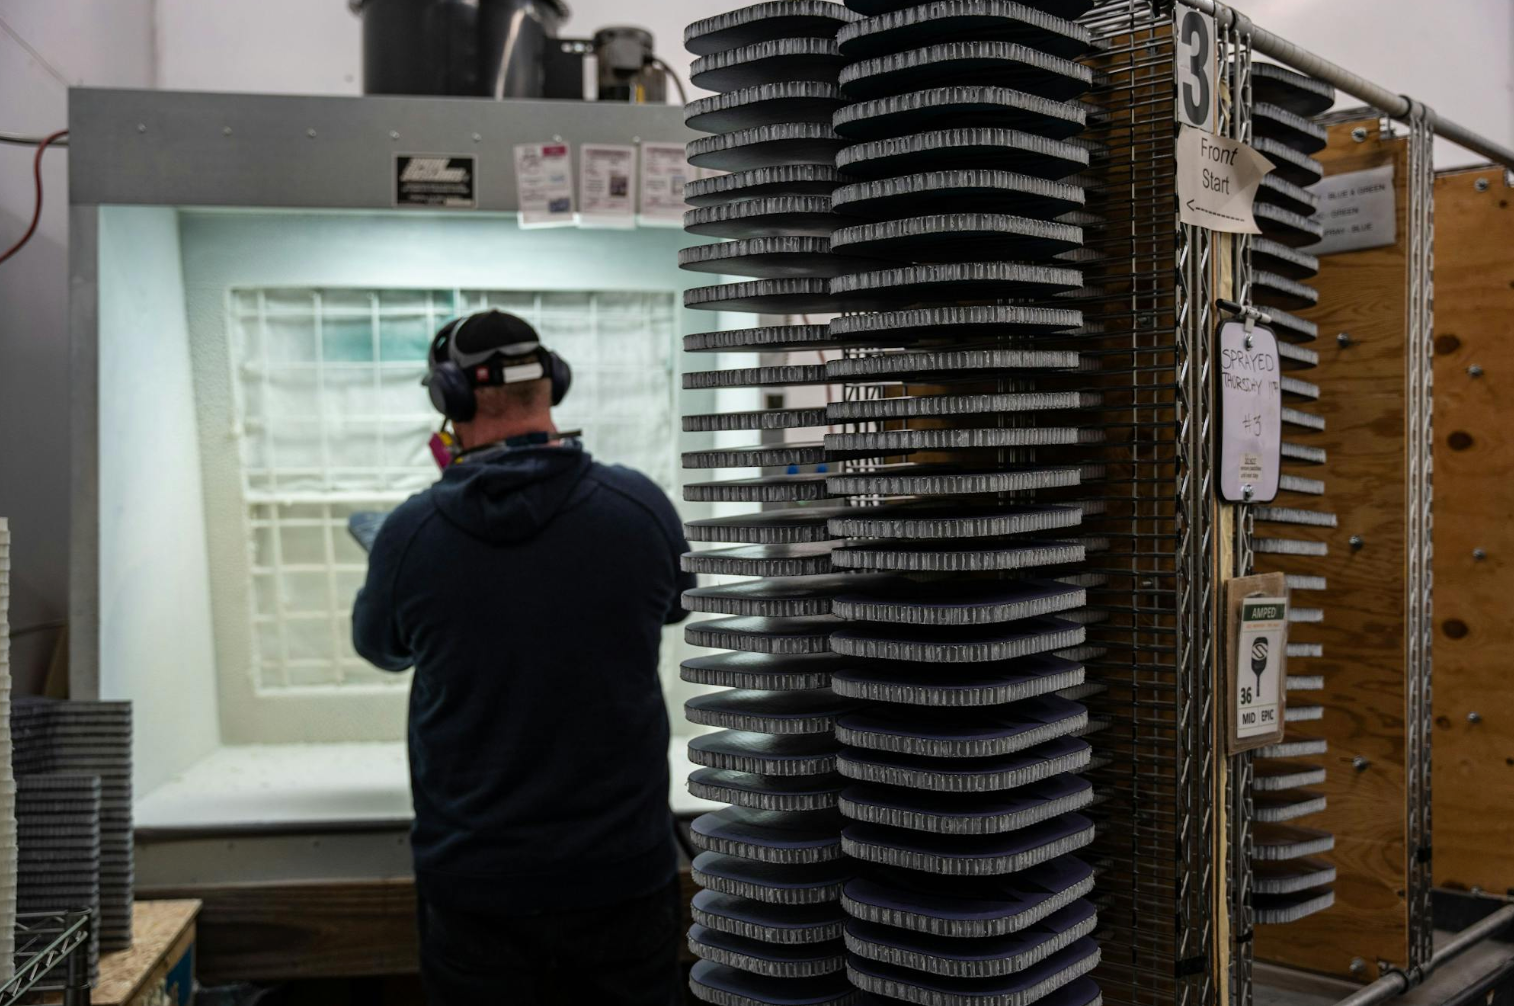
273,250
45,45
156,642
1457,56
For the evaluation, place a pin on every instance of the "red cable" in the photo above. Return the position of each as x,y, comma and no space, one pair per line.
37,211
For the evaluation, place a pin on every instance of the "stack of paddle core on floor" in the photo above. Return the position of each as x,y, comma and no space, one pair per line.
1290,880
768,922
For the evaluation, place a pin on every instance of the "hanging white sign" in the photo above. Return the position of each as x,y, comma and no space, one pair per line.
544,184
1218,180
1251,414
607,186
1359,210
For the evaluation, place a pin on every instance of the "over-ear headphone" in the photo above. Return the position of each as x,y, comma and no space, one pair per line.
452,387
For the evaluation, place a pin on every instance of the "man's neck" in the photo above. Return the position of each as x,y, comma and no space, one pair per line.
483,432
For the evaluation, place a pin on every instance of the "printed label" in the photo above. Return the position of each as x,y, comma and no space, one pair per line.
1359,211
544,184
436,181
607,188
1261,651
1251,414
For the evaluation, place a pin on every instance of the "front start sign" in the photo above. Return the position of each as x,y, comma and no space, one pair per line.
1251,414
1218,180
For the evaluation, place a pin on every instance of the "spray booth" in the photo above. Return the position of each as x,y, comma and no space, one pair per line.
254,291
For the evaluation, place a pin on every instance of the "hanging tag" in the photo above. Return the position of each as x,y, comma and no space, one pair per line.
1251,413
1257,648
544,184
665,171
607,186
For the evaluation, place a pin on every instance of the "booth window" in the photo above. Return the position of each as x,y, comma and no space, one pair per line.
331,419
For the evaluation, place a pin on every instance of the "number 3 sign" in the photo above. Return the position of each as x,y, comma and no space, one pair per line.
1197,71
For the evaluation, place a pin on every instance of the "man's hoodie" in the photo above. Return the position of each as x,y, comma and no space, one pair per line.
529,588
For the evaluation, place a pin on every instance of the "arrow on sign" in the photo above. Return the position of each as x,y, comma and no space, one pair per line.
1204,209
1217,179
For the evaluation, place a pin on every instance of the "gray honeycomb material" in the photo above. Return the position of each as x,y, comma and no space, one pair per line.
789,180
959,149
996,64
765,105
766,62
957,237
954,20
766,22
979,190
766,146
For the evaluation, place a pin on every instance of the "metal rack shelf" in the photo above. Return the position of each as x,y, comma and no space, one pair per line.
44,941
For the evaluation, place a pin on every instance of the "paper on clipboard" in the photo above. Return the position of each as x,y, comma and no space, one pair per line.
665,170
544,184
607,186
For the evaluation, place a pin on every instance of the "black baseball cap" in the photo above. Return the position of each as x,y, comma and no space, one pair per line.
479,338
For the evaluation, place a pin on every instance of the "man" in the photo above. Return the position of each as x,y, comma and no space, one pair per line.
529,588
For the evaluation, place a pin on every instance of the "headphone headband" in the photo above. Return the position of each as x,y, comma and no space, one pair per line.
455,375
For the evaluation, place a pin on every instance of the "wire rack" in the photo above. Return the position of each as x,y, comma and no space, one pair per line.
1235,122
1151,319
1419,429
52,955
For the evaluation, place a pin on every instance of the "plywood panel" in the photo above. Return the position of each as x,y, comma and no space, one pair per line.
1363,294
277,931
321,929
162,931
1474,509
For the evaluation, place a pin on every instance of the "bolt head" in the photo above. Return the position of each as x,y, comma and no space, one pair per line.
394,134
1474,371
141,127
225,130
1356,542
1482,185
1359,763
1343,340
1358,966
1474,717
1479,554
1359,134
1476,891
310,133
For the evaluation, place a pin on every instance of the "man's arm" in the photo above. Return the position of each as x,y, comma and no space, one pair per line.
649,496
376,633
673,524
686,581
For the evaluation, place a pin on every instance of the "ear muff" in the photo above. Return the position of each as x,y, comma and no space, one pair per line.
562,376
451,393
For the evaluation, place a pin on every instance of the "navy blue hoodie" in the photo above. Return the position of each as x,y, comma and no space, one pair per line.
529,589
